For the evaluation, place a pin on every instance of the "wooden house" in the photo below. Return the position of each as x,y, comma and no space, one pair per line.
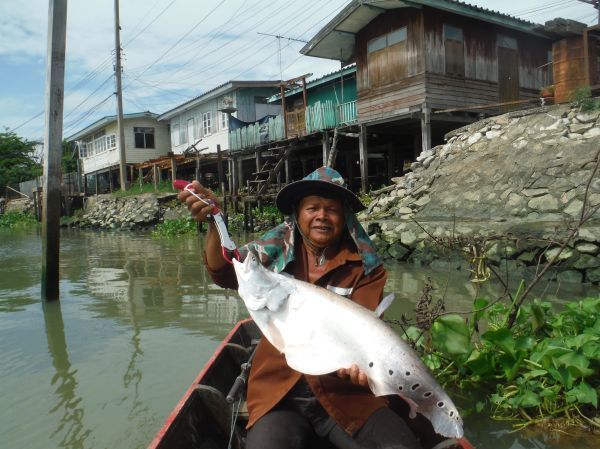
298,138
97,145
425,67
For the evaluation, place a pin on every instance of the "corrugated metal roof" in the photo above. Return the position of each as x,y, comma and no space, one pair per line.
216,91
336,39
107,120
317,81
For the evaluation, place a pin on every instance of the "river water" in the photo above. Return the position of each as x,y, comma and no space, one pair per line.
137,319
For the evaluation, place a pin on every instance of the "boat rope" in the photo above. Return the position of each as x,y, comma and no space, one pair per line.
235,411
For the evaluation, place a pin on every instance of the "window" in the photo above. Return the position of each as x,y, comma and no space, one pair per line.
144,137
175,141
82,149
224,121
191,135
387,58
206,123
111,141
454,50
507,42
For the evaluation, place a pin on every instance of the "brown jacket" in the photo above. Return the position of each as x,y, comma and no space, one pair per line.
271,378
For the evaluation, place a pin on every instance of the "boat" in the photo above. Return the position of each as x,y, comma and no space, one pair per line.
202,419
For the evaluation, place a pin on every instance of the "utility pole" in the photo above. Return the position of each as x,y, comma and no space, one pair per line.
55,84
119,93
595,4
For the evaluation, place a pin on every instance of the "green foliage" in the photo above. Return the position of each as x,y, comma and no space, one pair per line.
546,365
14,220
583,97
17,160
68,163
173,228
269,214
365,198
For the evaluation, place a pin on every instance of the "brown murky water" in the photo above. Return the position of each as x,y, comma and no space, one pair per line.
137,320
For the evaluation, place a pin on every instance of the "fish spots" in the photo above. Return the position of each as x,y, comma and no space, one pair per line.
370,364
407,374
400,387
440,404
427,394
415,386
391,372
451,413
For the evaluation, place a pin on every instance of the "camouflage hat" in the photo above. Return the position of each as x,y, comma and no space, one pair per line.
325,181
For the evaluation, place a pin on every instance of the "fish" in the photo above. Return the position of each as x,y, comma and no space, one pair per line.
320,332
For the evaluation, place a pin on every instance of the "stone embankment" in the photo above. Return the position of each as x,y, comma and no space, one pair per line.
510,187
127,213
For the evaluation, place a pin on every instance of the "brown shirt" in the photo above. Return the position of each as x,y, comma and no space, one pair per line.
271,378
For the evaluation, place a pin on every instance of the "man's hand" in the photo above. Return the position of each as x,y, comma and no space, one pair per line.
197,208
355,375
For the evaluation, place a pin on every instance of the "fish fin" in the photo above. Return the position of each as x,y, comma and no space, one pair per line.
384,304
412,414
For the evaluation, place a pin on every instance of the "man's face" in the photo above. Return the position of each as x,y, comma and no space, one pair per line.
321,219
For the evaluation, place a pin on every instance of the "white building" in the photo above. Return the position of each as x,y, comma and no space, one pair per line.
98,144
201,121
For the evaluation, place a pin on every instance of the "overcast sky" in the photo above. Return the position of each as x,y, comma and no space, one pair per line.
174,50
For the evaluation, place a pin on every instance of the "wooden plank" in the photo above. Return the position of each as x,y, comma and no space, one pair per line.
363,158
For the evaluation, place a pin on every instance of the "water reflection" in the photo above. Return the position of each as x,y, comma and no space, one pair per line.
137,277
70,431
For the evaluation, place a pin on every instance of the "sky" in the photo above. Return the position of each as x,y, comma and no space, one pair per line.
175,50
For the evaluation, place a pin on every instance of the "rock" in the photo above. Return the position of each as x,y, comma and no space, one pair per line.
398,251
409,238
587,248
493,134
593,275
534,192
521,143
594,132
574,209
404,210
474,138
566,253
545,203
587,261
587,117
570,277
580,128
588,234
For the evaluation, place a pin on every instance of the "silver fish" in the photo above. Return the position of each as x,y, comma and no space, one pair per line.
320,332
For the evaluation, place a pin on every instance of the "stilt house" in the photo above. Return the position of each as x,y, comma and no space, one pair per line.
424,67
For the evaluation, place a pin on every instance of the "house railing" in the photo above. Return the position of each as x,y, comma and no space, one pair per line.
318,117
256,134
328,115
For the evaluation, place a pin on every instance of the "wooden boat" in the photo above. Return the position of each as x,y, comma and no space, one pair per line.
202,418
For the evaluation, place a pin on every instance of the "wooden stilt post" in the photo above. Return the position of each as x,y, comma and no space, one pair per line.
155,176
173,169
78,180
96,182
325,141
425,128
287,171
141,177
55,77
364,161
110,180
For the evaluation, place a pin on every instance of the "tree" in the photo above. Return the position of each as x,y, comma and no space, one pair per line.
68,162
17,160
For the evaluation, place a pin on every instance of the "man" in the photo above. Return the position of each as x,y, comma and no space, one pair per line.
325,245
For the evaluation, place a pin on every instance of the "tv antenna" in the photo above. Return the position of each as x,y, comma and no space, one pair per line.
279,37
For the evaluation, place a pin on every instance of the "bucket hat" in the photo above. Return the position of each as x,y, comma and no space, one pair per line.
324,180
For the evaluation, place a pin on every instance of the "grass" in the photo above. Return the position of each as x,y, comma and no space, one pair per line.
14,220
